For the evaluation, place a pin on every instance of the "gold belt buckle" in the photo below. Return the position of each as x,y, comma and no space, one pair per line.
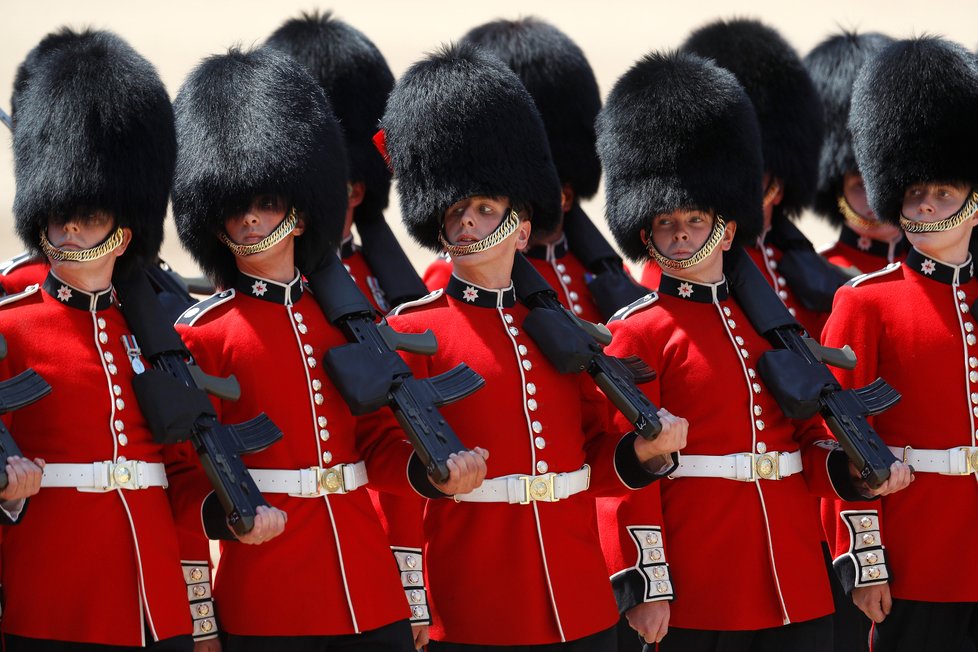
970,460
538,488
331,479
123,475
767,466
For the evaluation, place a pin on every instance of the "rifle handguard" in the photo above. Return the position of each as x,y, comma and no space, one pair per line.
566,346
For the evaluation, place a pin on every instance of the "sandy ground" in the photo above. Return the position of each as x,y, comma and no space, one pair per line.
175,35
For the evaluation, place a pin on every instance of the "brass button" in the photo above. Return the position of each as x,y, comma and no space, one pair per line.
542,467
783,295
961,295
531,389
761,447
206,625
577,309
537,427
655,554
119,425
865,522
117,390
661,587
416,596
744,353
574,296
317,384
307,348
973,362
782,282
514,331
869,539
411,561
561,268
417,612
324,434
303,329
971,339
759,424
540,443
758,410
196,574
527,365
752,373
123,440
565,278
792,312
757,388
968,326
659,572
318,398
873,573
522,349
964,307
731,323
739,340
203,610
651,538
531,404
322,421
413,578
871,558
113,370
120,404
199,591
327,457
103,338
508,318
298,317
311,361
101,322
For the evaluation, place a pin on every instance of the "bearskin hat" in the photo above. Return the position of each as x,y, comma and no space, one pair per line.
678,132
251,123
357,81
93,130
913,120
833,66
459,123
783,95
560,80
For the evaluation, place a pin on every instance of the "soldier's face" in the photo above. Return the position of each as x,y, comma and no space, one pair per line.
473,218
932,202
81,230
681,233
260,218
854,190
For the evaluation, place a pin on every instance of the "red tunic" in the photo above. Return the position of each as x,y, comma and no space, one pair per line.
862,253
84,566
512,574
331,572
743,555
912,325
563,271
22,270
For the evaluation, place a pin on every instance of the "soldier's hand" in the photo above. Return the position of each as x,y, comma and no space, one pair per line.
901,475
671,439
467,470
650,620
269,523
874,601
23,478
420,633
210,645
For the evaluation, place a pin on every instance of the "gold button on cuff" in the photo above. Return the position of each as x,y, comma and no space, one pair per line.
869,539
865,522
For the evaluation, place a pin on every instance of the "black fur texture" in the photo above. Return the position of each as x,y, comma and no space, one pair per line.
250,123
679,132
913,120
833,66
560,80
783,95
459,123
93,130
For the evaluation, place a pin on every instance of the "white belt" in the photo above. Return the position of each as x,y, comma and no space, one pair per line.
745,467
524,489
962,460
105,476
312,482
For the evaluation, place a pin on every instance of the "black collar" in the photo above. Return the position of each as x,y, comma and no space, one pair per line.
347,248
75,298
692,291
552,251
868,245
940,271
477,295
266,290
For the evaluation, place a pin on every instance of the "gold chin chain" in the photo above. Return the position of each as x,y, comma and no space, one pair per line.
770,192
855,219
947,223
285,227
716,235
84,255
505,229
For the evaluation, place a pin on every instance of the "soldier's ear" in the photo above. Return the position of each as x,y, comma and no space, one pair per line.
126,239
728,235
300,224
523,235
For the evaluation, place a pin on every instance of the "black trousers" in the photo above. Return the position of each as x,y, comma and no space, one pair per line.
604,641
920,626
395,637
851,626
13,643
809,636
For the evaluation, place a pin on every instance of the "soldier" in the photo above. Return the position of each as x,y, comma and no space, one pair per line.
790,119
474,174
94,151
559,78
746,488
357,81
865,243
260,194
914,136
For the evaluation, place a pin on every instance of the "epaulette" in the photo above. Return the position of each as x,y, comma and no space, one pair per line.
11,264
407,305
13,298
892,267
635,306
196,311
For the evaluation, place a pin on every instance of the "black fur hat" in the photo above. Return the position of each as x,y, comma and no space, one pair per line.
833,66
676,132
459,123
93,130
560,80
913,120
783,95
250,123
357,81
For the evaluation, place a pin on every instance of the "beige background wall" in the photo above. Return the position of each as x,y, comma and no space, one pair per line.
175,35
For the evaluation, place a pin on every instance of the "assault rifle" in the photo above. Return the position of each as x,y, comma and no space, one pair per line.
797,375
173,398
611,287
573,345
21,390
370,374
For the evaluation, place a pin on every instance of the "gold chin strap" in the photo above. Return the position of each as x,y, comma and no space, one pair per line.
772,190
505,229
110,244
854,218
285,227
947,223
716,235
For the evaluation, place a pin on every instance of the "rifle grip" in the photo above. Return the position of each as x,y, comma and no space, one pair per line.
223,388
423,343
